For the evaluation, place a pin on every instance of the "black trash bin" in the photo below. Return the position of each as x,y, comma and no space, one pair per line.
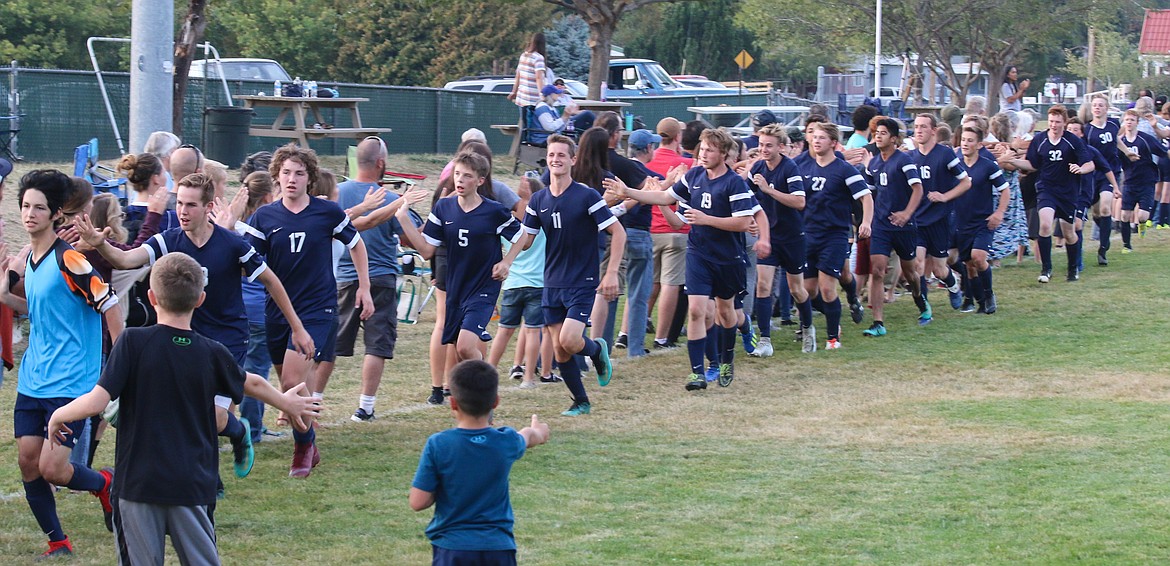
225,134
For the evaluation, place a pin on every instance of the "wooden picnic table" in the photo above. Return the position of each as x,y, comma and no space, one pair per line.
300,128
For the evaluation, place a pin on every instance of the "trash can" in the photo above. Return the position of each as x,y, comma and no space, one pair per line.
225,134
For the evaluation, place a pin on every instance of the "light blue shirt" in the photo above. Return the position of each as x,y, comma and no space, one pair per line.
528,269
381,240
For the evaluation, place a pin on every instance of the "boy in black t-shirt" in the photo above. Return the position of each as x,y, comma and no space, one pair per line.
166,377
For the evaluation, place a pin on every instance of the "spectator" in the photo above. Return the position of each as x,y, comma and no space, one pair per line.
861,118
258,161
670,241
1011,92
547,120
976,105
530,74
760,119
162,145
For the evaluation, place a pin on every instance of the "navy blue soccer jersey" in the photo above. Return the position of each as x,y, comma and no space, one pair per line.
1052,160
974,206
784,223
299,250
1104,140
829,195
571,222
1090,184
725,196
892,181
940,171
1144,171
472,239
224,257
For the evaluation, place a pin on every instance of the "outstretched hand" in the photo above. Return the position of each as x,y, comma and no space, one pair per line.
300,410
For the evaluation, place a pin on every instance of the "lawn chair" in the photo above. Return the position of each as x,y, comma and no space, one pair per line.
395,179
103,179
527,152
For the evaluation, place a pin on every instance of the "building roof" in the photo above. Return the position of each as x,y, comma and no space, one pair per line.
1155,33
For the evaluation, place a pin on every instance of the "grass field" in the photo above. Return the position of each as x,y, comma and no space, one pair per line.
1037,435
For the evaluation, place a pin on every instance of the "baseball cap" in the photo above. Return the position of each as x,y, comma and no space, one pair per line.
550,89
5,168
763,118
669,128
642,139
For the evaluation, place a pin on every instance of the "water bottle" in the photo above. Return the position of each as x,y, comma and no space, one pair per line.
312,89
276,88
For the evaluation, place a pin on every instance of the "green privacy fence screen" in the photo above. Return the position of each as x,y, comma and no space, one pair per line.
63,109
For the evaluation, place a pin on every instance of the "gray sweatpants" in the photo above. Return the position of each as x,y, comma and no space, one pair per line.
141,530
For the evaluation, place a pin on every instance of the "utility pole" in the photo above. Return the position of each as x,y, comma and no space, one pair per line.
152,25
1090,54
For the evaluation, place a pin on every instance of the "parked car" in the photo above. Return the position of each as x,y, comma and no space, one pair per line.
235,69
502,84
888,95
697,80
644,77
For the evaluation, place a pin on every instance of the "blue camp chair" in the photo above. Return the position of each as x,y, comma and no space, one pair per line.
103,179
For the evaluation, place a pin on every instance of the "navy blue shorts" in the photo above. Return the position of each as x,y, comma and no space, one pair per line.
561,303
826,254
709,279
788,254
30,417
974,239
1137,197
935,238
323,332
448,557
1163,170
884,240
472,315
1064,210
522,302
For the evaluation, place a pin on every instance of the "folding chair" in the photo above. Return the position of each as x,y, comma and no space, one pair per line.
8,136
527,152
103,179
393,178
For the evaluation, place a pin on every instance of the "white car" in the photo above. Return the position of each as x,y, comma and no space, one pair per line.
239,69
502,84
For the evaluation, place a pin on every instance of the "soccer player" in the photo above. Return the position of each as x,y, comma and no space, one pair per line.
65,300
295,235
571,216
1101,133
471,227
1101,181
894,177
1141,174
719,207
941,174
831,186
221,317
977,216
1058,157
780,191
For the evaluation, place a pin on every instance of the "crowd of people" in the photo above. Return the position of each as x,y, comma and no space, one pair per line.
709,237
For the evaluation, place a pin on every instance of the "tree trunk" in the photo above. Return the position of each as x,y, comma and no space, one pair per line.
600,39
189,39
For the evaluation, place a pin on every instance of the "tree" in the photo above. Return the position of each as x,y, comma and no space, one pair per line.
53,34
602,16
185,46
695,37
1116,60
568,50
795,37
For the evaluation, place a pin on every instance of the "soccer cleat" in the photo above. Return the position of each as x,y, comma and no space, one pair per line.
875,329
712,373
361,416
302,460
968,305
622,342
750,340
927,314
1073,276
798,335
316,454
956,299
436,398
551,378
57,549
726,374
1101,259
833,344
808,339
243,454
1045,276
602,364
763,348
517,372
1127,249
989,305
665,345
577,410
696,382
856,311
103,496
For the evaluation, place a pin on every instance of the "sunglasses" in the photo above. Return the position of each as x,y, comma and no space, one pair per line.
381,143
198,155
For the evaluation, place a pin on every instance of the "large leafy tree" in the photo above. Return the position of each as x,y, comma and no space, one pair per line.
693,37
52,34
568,49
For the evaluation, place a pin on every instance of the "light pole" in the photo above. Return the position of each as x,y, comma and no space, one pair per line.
877,53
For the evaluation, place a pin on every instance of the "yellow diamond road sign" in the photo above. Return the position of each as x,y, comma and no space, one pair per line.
744,60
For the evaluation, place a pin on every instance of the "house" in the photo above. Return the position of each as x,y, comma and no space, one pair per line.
1154,47
855,80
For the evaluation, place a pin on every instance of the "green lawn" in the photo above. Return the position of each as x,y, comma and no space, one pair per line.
1036,435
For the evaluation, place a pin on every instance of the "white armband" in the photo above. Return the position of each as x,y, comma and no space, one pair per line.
618,210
